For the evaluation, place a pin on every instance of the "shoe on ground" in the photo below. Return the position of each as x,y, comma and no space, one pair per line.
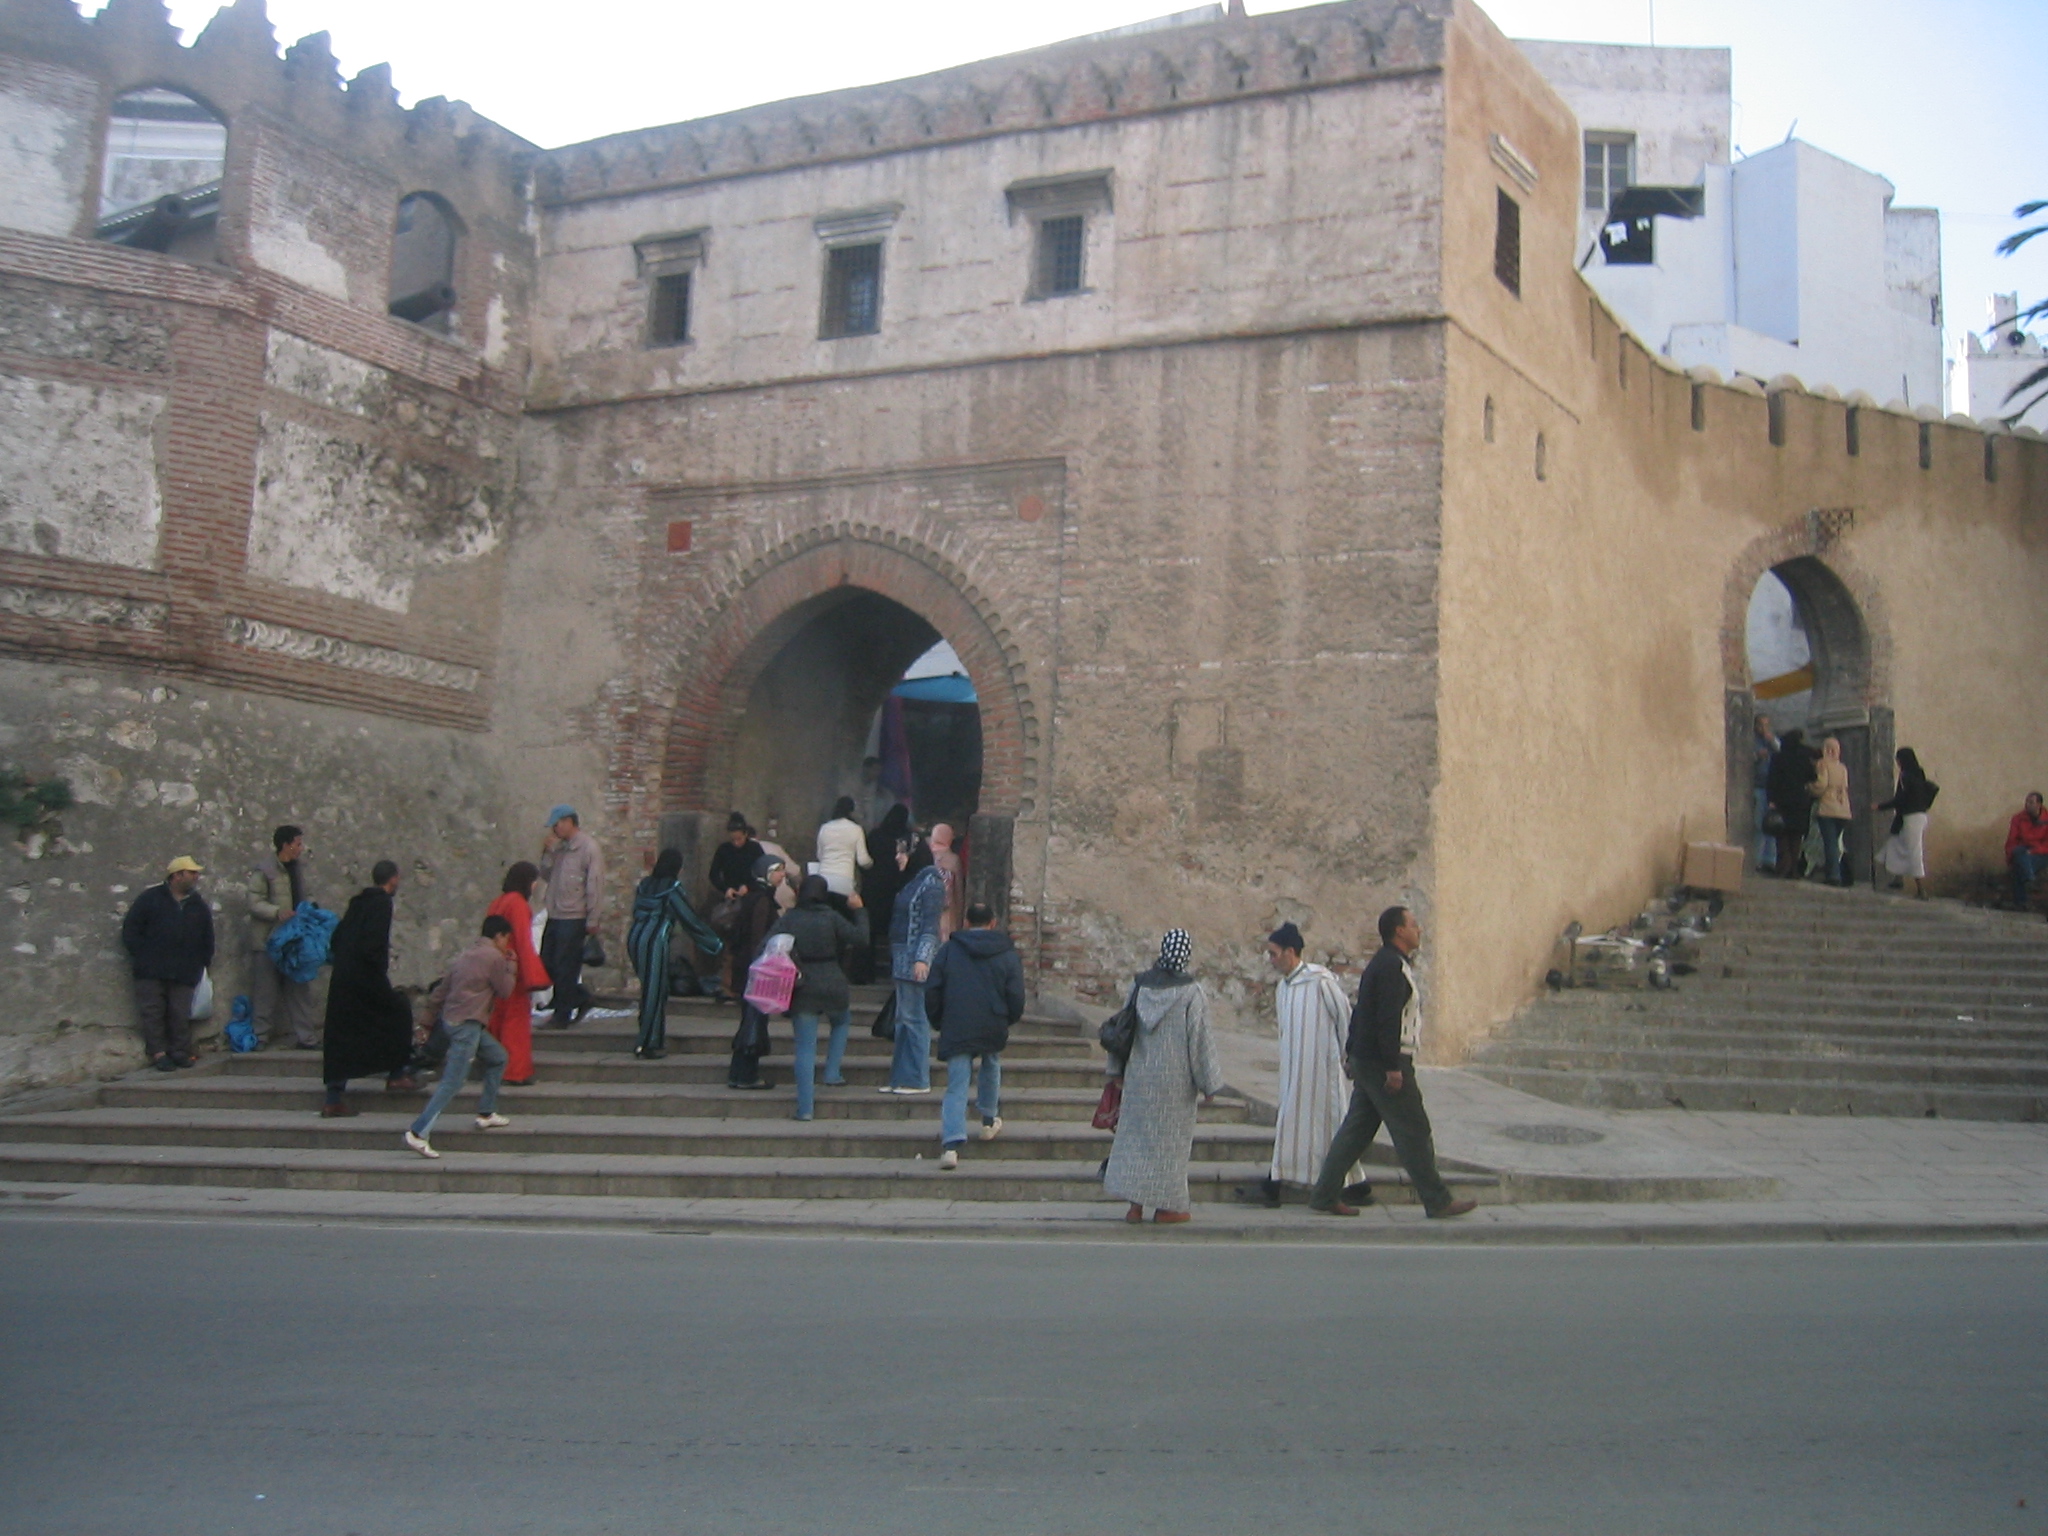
912,1092
833,1082
490,1122
949,1159
1455,1208
185,1061
401,1085
1171,1218
420,1145
1359,1193
164,1064
759,1085
802,1119
990,1128
1335,1208
1267,1193
888,1088
338,1112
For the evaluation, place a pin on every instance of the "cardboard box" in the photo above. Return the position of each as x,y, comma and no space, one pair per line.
1713,866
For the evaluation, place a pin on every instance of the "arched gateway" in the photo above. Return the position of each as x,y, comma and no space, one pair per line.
774,703
1803,641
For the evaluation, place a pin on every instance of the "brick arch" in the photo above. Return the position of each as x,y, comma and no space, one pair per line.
781,592
1840,589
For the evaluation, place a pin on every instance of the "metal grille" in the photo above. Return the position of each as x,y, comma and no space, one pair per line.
1059,254
1610,168
1507,243
669,325
853,291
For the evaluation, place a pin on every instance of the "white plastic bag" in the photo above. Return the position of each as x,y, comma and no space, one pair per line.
202,998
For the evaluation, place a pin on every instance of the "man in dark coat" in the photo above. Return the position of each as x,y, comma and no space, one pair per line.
168,934
369,1022
974,993
1379,1055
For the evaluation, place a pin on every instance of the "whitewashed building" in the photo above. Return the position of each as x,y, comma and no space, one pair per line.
1799,264
1989,366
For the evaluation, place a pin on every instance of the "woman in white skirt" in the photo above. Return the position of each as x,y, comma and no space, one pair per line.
1905,852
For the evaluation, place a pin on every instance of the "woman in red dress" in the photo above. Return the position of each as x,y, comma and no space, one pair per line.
511,1021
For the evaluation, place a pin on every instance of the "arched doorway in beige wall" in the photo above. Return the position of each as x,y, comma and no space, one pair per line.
1803,640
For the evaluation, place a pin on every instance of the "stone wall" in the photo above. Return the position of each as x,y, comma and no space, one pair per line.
163,767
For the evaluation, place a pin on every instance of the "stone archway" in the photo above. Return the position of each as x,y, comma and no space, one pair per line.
1842,615
806,593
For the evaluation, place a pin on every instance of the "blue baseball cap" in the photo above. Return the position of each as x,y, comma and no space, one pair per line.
559,812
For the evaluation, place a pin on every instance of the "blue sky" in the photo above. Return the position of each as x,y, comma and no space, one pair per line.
1945,100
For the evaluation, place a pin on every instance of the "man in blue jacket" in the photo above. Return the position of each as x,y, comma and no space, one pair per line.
168,934
974,994
1379,1055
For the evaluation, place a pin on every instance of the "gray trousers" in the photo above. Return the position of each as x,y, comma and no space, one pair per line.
165,1009
278,1005
1407,1124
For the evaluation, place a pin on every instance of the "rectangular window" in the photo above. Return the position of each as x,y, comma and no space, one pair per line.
1507,243
1059,254
668,323
1610,168
853,291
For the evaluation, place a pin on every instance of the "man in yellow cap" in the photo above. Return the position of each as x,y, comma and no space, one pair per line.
168,934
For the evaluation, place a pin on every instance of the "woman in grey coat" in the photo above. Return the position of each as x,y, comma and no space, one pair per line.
1173,1064
822,937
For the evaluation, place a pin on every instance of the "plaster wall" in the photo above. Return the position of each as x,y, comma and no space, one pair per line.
165,767
1271,214
79,478
46,133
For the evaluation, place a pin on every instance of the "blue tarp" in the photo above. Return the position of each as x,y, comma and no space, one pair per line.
956,689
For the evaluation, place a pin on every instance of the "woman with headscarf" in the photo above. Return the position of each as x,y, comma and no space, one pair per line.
1172,1066
759,909
948,863
511,1020
658,906
880,880
913,945
1905,852
1831,807
822,937
1791,790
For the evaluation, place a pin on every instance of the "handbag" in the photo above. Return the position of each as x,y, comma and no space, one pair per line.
1774,822
884,1027
1109,1106
1119,1031
751,1038
593,949
724,917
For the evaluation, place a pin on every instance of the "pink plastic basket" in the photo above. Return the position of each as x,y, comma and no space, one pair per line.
770,982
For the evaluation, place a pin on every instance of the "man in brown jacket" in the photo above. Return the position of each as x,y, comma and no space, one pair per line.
482,973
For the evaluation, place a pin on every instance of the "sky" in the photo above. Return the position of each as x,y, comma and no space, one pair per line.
1945,100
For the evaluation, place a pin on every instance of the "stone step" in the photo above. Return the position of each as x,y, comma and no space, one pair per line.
590,1067
612,1136
1613,1090
1023,1044
864,1011
1572,1014
467,1172
1738,1034
1695,998
1818,1066
186,1090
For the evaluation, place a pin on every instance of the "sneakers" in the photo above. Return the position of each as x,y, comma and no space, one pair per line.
949,1160
909,1092
892,1088
420,1145
490,1122
990,1127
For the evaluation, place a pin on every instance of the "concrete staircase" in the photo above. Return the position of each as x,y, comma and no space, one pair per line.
1810,1000
598,1122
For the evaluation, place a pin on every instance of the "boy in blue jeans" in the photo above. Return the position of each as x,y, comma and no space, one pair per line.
482,974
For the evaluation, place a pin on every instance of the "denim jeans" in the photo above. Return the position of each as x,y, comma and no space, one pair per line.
1832,831
911,1065
987,1099
1766,845
2026,868
466,1041
806,1027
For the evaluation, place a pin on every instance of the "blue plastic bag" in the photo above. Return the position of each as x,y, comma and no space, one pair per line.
298,945
241,1027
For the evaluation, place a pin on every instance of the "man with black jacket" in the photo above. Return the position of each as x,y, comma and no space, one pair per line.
974,993
1379,1054
168,934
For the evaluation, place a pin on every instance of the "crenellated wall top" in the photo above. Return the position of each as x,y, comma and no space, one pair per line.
1084,81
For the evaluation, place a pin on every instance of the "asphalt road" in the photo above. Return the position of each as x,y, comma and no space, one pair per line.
168,1378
